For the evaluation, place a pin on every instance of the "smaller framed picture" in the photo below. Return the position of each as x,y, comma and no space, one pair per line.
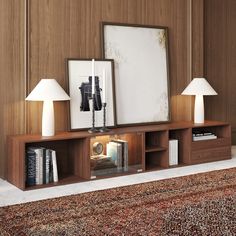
80,90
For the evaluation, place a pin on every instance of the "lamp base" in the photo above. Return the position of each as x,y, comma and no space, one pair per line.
48,128
199,109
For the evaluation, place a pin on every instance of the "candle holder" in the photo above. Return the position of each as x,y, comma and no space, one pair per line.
93,129
104,128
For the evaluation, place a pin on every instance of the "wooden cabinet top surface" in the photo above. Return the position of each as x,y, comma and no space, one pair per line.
28,138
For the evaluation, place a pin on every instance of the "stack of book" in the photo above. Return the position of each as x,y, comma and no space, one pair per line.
173,152
41,166
118,151
203,135
101,162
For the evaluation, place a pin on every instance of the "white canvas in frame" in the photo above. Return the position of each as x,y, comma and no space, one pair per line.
78,72
141,71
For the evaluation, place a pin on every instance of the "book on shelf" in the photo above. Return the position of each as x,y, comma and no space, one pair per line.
54,165
173,152
124,157
204,137
101,162
41,166
30,167
199,135
38,164
114,150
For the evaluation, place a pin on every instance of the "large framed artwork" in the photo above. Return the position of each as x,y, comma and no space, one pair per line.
140,55
80,91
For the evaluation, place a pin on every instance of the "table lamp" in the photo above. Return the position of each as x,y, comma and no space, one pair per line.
199,87
48,90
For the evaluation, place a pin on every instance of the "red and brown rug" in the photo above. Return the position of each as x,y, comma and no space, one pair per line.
201,204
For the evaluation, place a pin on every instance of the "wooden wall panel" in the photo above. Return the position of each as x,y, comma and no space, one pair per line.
59,29
220,60
197,38
12,73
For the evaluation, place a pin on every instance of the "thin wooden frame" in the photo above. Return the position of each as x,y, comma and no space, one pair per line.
78,72
140,55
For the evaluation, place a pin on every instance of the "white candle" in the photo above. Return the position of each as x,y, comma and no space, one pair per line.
93,77
104,85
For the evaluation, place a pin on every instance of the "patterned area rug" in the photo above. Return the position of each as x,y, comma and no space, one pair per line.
202,204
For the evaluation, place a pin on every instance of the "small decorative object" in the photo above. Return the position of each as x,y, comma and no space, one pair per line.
97,148
104,104
48,90
87,93
93,129
199,87
141,71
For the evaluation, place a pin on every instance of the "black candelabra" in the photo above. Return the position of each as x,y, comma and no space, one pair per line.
93,129
104,128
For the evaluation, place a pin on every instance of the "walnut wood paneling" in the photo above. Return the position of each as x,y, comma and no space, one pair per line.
12,73
197,38
59,29
220,60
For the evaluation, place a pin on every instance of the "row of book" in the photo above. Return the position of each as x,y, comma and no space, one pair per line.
41,166
203,135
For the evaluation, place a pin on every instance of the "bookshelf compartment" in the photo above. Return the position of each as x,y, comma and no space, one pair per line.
128,158
156,160
156,141
222,131
184,144
71,160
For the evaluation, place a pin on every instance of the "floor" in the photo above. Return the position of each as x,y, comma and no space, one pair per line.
10,195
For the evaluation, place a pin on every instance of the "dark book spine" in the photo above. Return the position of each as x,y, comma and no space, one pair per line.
31,168
44,166
47,165
50,167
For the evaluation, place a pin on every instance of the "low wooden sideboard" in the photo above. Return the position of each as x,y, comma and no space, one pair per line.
148,150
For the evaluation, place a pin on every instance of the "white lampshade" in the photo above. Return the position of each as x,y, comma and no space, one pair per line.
48,90
199,86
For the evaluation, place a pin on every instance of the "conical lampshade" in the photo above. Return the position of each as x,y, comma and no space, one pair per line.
199,86
48,90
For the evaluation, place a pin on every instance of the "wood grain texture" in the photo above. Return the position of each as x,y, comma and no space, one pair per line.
78,35
12,73
220,60
59,29
197,38
73,150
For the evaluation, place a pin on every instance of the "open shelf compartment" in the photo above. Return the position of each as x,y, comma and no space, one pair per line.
112,155
70,158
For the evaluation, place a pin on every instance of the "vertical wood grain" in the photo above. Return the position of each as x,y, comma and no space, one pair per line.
220,60
12,73
59,29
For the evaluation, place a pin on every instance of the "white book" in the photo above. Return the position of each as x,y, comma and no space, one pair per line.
54,166
173,152
47,165
114,150
125,157
205,137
